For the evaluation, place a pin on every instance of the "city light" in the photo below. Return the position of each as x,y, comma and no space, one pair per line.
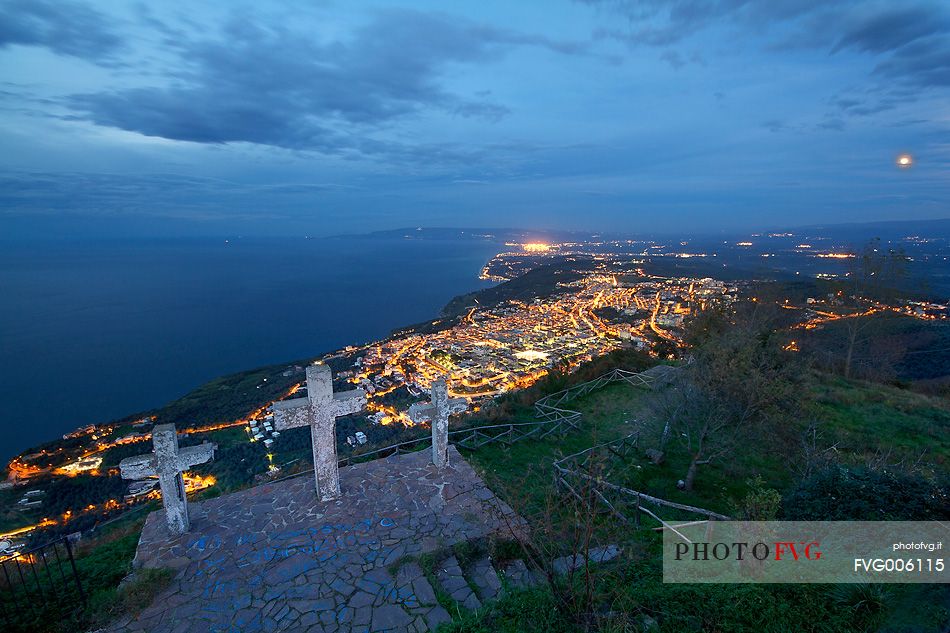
536,247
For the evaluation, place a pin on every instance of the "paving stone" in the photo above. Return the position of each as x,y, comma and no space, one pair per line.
485,579
275,557
390,617
595,555
361,599
453,583
518,575
411,575
603,554
437,616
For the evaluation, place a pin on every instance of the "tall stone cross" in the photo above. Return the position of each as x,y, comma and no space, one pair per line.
167,463
319,410
438,412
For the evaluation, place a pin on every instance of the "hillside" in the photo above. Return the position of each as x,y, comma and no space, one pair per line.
862,421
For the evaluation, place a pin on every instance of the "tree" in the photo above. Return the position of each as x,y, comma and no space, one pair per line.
875,275
739,380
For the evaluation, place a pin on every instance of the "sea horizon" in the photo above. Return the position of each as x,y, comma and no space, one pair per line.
97,330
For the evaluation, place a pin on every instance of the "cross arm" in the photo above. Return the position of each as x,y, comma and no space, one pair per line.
138,467
289,414
348,402
194,455
458,405
420,412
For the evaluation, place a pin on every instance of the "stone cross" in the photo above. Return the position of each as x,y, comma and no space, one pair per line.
438,412
319,410
167,463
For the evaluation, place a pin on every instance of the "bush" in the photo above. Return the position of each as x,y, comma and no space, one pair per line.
761,503
862,494
130,598
862,599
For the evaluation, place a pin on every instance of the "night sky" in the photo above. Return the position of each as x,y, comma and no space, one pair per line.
124,119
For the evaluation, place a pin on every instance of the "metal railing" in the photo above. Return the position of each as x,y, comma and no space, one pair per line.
39,585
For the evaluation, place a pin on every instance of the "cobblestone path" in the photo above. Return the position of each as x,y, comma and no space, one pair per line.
275,558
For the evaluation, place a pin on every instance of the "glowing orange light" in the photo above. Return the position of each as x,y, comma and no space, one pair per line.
194,482
536,247
905,160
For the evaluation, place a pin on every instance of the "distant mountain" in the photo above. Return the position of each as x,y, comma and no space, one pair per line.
894,229
845,232
464,233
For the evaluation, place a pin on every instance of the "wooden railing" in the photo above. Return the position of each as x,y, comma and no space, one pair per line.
584,471
553,419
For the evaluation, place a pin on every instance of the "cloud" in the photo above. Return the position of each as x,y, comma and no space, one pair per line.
673,58
159,195
64,27
271,85
924,63
914,41
666,22
908,42
856,105
891,29
830,123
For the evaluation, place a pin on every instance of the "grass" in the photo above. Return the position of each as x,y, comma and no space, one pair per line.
632,593
11,516
860,418
729,608
129,598
103,563
864,419
609,414
524,611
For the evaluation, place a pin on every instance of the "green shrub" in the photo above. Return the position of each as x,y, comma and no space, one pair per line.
129,598
862,599
761,503
861,494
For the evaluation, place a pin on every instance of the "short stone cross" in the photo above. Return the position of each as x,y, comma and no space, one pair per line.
319,410
438,412
167,463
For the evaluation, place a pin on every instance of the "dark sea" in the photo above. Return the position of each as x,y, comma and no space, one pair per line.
94,331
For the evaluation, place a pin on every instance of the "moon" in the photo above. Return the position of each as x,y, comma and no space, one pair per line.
905,160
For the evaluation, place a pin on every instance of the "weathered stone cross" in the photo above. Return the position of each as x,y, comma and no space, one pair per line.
438,412
167,463
319,410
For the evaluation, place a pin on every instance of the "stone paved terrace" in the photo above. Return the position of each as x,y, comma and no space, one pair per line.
275,558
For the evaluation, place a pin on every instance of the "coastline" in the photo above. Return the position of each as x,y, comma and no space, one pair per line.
286,330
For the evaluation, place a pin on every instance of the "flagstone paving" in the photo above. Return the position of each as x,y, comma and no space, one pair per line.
453,581
276,558
485,579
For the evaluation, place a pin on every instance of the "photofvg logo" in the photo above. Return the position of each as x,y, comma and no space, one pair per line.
805,552
808,550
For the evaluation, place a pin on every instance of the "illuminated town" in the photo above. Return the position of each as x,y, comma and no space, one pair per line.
495,350
607,301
